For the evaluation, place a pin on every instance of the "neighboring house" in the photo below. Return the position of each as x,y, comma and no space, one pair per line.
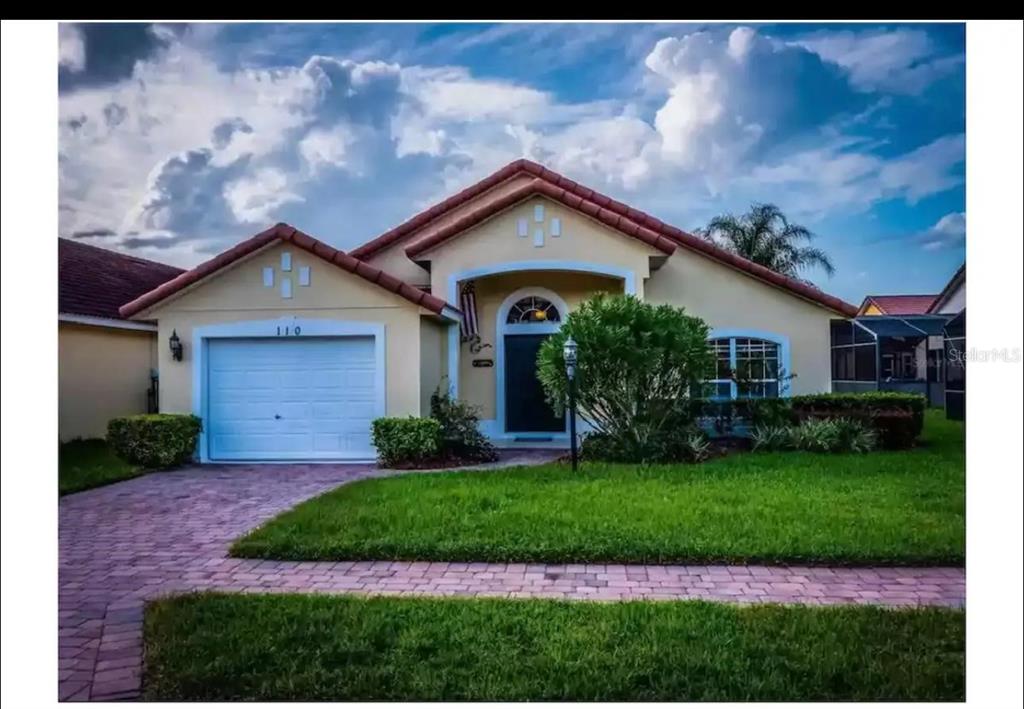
952,303
898,343
292,347
896,304
105,362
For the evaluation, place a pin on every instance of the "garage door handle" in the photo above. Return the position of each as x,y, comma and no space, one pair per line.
277,416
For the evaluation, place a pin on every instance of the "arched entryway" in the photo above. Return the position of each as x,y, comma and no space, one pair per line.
525,319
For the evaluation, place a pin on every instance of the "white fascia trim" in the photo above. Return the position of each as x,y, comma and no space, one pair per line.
308,327
450,313
105,322
781,340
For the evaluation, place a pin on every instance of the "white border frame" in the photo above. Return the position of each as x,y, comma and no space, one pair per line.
502,328
268,329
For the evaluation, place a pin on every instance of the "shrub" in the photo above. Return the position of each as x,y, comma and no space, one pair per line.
406,441
896,417
838,435
772,438
675,444
637,363
154,440
460,433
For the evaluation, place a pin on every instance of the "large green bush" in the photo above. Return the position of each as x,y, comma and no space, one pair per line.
154,440
460,433
637,364
896,417
409,441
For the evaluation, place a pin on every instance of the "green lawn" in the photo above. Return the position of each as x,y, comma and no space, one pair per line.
214,647
90,463
886,507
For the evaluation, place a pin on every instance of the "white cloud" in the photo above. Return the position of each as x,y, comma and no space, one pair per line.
949,232
322,148
71,47
254,198
901,60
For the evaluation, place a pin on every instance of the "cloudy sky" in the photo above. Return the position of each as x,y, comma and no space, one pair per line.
177,141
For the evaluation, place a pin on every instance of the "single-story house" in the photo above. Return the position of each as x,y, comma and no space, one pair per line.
952,303
290,348
106,363
896,304
904,343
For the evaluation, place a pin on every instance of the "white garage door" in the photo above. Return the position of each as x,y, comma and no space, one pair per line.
291,399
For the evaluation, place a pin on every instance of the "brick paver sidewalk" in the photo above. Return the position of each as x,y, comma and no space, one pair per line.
169,532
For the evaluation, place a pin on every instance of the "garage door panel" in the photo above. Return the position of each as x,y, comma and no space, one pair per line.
277,399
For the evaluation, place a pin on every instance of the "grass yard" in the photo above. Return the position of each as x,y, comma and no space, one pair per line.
903,507
313,648
90,463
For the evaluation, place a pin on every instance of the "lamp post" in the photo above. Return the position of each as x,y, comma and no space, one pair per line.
569,353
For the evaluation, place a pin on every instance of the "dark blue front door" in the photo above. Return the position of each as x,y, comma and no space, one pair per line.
526,410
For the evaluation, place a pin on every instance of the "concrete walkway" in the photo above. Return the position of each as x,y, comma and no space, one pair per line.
169,532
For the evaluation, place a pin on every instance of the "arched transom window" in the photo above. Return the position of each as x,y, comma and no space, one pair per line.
745,367
532,309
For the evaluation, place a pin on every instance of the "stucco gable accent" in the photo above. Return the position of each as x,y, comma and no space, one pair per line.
557,194
289,234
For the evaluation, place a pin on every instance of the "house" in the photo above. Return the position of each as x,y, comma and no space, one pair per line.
952,303
896,304
105,361
899,343
291,347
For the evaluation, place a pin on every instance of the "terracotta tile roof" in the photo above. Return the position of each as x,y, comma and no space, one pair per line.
289,234
900,304
618,214
96,282
539,186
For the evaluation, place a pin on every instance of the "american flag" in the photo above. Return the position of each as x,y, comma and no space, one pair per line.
468,305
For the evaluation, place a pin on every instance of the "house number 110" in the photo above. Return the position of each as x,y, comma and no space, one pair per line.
289,330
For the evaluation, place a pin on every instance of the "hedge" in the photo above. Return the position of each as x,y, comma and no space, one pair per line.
898,418
154,440
407,441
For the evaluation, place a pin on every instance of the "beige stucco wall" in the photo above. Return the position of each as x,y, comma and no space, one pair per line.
393,259
955,301
433,360
238,294
102,373
726,298
495,241
478,385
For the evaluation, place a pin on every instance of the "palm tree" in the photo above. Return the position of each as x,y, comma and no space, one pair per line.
765,236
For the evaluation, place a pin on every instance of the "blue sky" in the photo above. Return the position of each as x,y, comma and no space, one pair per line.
178,140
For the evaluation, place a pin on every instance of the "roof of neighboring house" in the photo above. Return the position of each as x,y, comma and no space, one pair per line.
95,282
899,304
958,278
288,234
621,216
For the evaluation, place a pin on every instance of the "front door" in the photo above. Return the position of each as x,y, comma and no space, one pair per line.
526,410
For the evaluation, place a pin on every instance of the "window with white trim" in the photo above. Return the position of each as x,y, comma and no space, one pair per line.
745,367
533,308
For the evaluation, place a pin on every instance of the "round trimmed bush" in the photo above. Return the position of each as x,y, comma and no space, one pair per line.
155,440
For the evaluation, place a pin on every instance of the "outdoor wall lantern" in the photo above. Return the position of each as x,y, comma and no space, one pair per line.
569,354
177,349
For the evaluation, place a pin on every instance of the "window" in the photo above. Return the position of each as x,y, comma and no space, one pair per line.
533,309
745,367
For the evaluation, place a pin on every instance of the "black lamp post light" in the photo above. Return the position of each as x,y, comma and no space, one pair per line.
177,349
569,353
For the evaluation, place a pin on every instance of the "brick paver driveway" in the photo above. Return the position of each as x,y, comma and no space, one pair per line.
169,532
